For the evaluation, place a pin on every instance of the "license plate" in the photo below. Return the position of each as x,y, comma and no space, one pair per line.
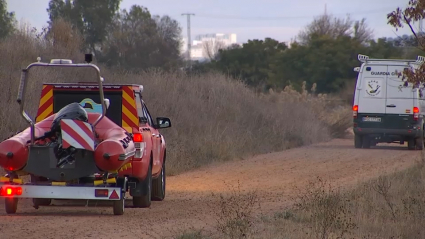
371,119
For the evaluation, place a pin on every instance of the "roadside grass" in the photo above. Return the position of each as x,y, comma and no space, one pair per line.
391,206
214,117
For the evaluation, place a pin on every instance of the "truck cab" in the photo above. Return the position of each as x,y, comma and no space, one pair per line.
387,109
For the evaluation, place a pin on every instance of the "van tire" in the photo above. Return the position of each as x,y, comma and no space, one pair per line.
366,142
411,144
419,143
358,141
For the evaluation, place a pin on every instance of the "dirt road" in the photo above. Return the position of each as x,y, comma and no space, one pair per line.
191,197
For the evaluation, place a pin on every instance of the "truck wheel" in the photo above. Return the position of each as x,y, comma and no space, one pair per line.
411,144
158,186
11,205
144,201
358,141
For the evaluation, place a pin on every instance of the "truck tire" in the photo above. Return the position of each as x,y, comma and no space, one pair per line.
11,205
144,201
358,141
158,186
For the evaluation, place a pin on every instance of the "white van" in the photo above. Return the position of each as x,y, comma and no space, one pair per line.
384,108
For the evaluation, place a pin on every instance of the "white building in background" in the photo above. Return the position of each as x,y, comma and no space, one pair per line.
206,45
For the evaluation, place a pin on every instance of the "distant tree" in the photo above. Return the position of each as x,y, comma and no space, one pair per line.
383,48
7,20
211,48
362,32
91,18
334,28
136,40
251,62
169,41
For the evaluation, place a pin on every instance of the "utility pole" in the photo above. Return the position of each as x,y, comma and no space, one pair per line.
189,43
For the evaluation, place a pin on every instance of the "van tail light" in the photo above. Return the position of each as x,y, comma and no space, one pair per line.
415,113
355,110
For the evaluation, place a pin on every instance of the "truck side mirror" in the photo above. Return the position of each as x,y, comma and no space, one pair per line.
162,122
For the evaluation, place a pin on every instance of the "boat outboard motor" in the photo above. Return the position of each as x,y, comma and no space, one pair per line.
72,111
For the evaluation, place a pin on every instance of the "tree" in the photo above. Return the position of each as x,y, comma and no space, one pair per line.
251,62
211,48
91,18
414,12
334,28
7,20
136,40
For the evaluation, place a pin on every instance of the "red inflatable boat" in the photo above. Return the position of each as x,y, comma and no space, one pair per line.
76,145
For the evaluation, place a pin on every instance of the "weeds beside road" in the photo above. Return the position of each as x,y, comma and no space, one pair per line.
390,206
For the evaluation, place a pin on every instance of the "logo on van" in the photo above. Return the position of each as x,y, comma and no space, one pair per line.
90,106
373,87
383,73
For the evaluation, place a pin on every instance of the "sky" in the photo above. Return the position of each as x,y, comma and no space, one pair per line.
249,19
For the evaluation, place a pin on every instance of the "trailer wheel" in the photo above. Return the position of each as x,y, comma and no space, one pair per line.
11,205
119,206
144,201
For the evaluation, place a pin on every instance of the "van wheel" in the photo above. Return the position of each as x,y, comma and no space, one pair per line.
366,142
411,144
419,143
358,141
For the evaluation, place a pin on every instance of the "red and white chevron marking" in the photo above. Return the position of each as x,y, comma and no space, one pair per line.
77,134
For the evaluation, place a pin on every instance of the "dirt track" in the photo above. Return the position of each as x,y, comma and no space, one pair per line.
189,200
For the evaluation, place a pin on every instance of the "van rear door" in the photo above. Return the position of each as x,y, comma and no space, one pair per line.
372,98
399,102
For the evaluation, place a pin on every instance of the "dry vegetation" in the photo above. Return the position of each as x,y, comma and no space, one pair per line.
391,206
214,117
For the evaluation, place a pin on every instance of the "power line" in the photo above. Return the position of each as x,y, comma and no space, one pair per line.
376,11
189,43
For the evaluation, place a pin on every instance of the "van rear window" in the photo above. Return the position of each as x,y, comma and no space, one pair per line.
90,100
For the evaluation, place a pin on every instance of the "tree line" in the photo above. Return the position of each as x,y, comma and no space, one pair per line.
324,52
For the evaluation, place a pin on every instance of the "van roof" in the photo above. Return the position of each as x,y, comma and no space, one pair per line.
370,61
